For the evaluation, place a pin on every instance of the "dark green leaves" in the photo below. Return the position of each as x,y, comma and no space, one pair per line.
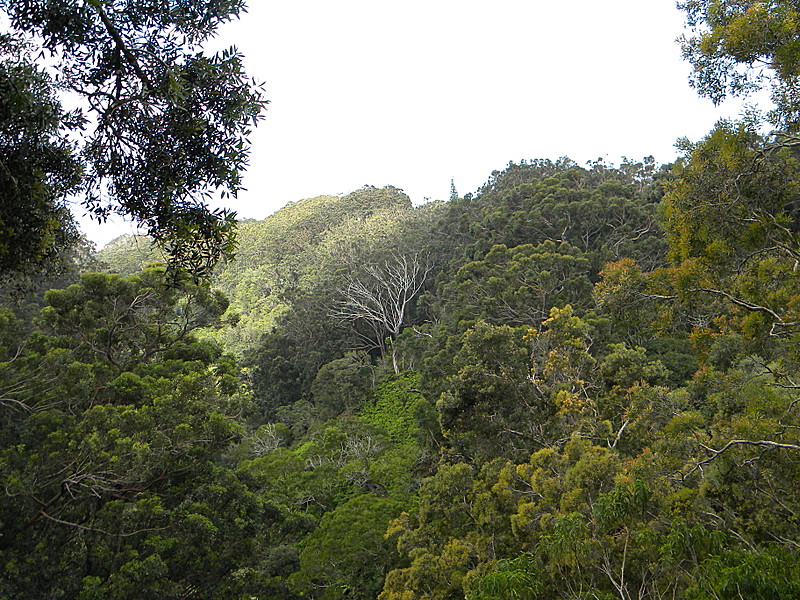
37,167
168,124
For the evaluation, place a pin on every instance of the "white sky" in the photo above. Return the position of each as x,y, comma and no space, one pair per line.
413,93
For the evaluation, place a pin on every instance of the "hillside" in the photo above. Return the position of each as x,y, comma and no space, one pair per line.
578,383
283,255
578,378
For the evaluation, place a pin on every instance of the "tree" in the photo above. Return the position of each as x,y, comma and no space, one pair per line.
329,573
164,126
605,212
459,523
112,417
519,286
515,579
453,191
382,299
483,391
732,222
37,169
736,48
343,385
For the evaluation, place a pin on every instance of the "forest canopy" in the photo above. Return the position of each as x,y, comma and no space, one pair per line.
578,382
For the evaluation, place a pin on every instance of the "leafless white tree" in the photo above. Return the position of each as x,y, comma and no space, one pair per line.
267,438
381,297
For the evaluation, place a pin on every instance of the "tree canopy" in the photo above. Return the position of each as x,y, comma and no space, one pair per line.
591,390
160,129
738,47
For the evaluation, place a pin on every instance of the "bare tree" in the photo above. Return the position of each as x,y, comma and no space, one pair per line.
381,297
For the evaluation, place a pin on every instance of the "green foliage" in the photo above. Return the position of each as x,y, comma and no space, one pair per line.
113,415
484,396
603,211
736,574
737,48
287,269
731,197
347,556
621,504
37,168
285,363
538,450
164,125
460,523
394,408
512,579
129,254
624,367
331,464
519,286
566,427
343,385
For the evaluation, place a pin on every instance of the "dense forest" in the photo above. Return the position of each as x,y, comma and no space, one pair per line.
578,382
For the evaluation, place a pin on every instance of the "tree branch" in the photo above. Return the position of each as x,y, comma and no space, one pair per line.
742,303
115,34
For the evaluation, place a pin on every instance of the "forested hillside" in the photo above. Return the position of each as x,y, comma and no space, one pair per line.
578,382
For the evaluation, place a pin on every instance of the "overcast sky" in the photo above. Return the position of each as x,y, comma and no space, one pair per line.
413,93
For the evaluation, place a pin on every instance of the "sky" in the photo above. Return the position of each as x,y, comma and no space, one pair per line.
414,93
